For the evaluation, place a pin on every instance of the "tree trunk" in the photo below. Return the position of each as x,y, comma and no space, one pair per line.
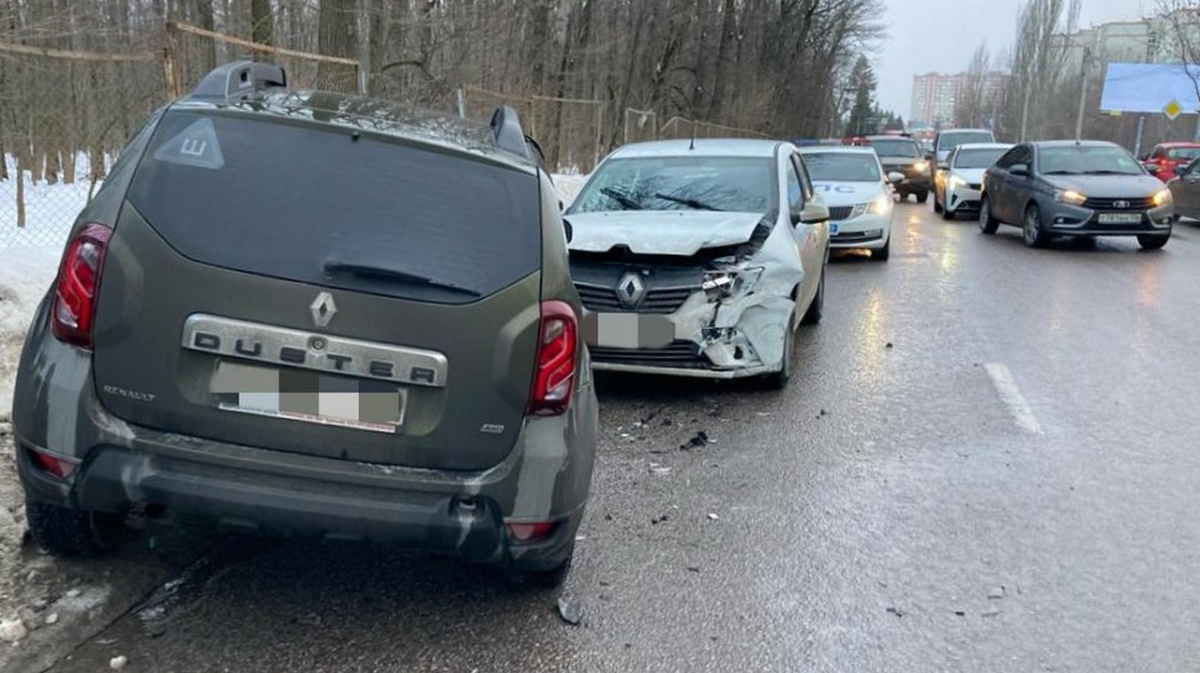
262,23
204,15
337,36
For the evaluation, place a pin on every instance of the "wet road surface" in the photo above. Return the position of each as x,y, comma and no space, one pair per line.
986,461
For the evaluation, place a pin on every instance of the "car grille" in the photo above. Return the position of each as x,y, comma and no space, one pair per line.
678,354
656,300
847,212
1141,203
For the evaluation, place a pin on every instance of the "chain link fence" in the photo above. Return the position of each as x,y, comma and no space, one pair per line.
63,117
567,129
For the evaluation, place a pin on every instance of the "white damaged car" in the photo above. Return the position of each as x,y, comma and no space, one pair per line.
699,258
850,181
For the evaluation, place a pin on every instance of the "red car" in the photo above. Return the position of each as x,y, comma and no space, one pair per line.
1166,157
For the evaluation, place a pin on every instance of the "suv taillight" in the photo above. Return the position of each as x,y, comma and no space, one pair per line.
554,377
78,281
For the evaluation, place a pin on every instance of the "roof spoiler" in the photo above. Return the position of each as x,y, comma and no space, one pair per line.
507,134
238,81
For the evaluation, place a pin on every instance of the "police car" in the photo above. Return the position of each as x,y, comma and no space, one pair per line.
852,184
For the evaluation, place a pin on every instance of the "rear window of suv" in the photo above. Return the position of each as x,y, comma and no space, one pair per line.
294,200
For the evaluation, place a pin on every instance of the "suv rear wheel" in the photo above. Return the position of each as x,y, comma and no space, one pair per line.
73,532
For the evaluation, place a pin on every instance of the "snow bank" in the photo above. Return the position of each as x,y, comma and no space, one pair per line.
568,186
50,210
25,275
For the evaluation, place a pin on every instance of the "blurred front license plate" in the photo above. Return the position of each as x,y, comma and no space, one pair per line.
627,330
1120,218
310,397
833,227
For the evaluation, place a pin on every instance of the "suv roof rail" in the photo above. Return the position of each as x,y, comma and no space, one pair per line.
238,80
507,133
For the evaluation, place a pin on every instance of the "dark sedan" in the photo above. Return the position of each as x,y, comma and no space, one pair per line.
1075,188
903,155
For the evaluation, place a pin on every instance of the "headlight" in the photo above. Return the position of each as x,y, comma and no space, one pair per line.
1069,196
881,204
956,182
922,166
1162,198
734,281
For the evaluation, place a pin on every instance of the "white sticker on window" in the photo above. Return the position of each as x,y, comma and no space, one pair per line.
195,146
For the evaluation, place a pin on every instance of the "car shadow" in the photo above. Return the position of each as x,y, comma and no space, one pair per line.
1075,244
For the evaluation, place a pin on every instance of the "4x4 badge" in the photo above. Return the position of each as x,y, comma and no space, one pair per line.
323,309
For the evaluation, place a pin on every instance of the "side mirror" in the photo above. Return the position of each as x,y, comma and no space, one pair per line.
1019,170
1155,169
943,166
568,230
895,177
812,213
1180,169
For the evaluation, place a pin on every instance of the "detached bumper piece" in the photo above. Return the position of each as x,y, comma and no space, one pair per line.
679,354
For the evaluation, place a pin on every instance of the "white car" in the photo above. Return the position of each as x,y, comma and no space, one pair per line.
957,187
851,182
698,258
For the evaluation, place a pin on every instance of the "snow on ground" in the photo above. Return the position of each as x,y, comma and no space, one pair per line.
568,186
50,210
25,275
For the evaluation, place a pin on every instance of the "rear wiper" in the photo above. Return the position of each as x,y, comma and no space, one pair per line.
627,202
691,203
391,273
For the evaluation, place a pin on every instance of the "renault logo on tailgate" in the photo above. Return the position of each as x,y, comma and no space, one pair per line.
630,289
323,309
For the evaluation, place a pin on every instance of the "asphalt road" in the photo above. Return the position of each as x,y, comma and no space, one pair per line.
987,461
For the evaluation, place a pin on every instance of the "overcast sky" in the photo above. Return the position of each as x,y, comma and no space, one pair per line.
941,35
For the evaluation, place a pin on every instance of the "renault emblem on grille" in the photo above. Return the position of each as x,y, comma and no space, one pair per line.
1121,204
323,309
630,289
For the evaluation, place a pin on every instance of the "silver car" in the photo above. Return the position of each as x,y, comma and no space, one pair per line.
699,258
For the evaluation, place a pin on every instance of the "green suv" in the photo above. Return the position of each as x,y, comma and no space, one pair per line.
313,314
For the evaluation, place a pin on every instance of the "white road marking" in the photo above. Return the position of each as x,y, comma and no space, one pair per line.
1011,395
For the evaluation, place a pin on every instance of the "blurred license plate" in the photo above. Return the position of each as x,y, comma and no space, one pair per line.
833,227
627,330
1120,218
309,397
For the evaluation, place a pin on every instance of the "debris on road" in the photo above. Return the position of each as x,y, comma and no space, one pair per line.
895,611
701,439
990,613
693,569
889,345
997,593
12,630
660,470
118,662
961,613
660,519
569,612
73,593
712,516
52,619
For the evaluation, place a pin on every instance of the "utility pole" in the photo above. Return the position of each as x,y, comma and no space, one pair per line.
1083,72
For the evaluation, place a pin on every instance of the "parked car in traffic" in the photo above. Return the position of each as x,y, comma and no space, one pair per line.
699,258
1165,158
960,178
1185,190
1075,188
852,183
317,315
903,155
945,141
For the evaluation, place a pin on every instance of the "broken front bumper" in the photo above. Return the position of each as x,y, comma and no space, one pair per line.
726,339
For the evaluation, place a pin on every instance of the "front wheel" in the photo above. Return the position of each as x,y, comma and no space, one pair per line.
1034,231
817,308
1153,242
987,223
948,214
882,254
937,205
922,197
779,380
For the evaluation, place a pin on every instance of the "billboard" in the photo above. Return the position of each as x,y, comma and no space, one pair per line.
1146,88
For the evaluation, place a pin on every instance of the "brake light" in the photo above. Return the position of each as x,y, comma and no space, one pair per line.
554,376
528,532
78,282
60,468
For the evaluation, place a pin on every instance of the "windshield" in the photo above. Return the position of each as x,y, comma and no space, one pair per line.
1183,153
951,140
895,148
736,184
980,158
842,167
1087,159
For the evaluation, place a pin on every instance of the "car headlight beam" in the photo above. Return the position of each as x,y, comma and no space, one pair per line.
1070,196
956,182
881,204
1162,198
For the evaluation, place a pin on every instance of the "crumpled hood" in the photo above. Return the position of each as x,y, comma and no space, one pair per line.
835,194
1109,186
660,232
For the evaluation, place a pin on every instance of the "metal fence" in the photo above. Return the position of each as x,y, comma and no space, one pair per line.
567,129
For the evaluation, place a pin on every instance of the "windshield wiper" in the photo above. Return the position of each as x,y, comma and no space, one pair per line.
1062,173
627,202
691,203
1109,171
368,270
